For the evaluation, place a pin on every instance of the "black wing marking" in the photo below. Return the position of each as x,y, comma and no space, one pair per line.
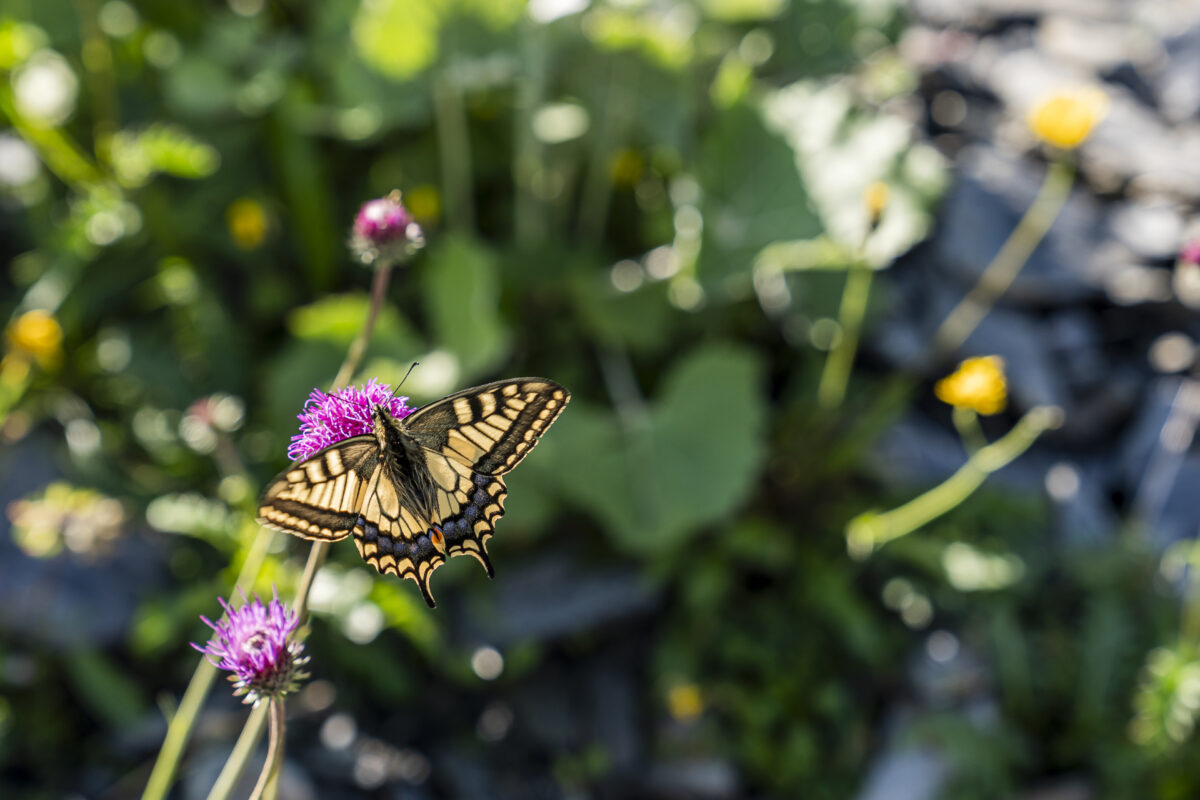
320,497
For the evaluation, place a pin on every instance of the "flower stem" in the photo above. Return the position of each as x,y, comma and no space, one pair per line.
596,195
832,388
60,155
999,275
529,216
454,148
316,555
869,531
268,781
180,726
231,773
966,422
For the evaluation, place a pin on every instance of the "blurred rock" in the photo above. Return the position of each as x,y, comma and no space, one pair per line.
1179,86
583,599
614,710
703,780
906,775
916,452
1152,229
1077,788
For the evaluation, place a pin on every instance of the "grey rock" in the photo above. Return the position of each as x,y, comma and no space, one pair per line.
709,779
614,711
916,452
1074,788
583,599
911,774
1153,229
1179,84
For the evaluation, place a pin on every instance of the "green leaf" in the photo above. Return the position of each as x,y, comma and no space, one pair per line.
691,461
137,156
754,196
461,286
338,319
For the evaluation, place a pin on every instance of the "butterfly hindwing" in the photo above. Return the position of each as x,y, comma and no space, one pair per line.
410,546
320,497
491,427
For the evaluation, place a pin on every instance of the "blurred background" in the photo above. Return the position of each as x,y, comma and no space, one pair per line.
657,203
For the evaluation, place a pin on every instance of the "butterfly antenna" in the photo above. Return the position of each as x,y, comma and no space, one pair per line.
415,364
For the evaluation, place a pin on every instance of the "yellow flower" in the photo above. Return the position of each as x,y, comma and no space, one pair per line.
978,384
37,333
1064,119
875,198
685,701
247,222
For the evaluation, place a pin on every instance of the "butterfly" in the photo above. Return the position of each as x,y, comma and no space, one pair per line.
418,490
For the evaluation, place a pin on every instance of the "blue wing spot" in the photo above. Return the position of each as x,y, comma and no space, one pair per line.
370,532
480,497
386,544
470,513
482,480
423,547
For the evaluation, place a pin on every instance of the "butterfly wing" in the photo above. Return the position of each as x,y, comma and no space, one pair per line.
490,428
449,504
321,497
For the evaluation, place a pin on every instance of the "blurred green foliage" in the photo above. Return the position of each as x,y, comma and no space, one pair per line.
653,203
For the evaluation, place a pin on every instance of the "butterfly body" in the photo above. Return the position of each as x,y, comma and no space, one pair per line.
416,491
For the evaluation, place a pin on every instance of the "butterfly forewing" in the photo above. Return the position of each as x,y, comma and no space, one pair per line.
320,497
430,490
492,427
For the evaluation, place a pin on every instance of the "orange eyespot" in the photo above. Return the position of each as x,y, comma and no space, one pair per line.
438,540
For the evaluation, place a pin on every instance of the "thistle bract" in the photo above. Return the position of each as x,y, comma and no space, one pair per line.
252,643
329,418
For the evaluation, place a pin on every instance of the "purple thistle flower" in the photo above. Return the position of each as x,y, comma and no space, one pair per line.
1190,254
384,231
253,645
329,418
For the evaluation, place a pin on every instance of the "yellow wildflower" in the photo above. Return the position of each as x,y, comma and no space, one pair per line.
977,384
1064,119
247,221
685,701
37,333
875,198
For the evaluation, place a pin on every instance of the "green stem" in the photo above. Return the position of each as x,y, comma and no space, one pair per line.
247,741
98,67
596,194
60,155
250,735
529,218
999,275
268,784
454,148
836,375
180,727
966,422
869,531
